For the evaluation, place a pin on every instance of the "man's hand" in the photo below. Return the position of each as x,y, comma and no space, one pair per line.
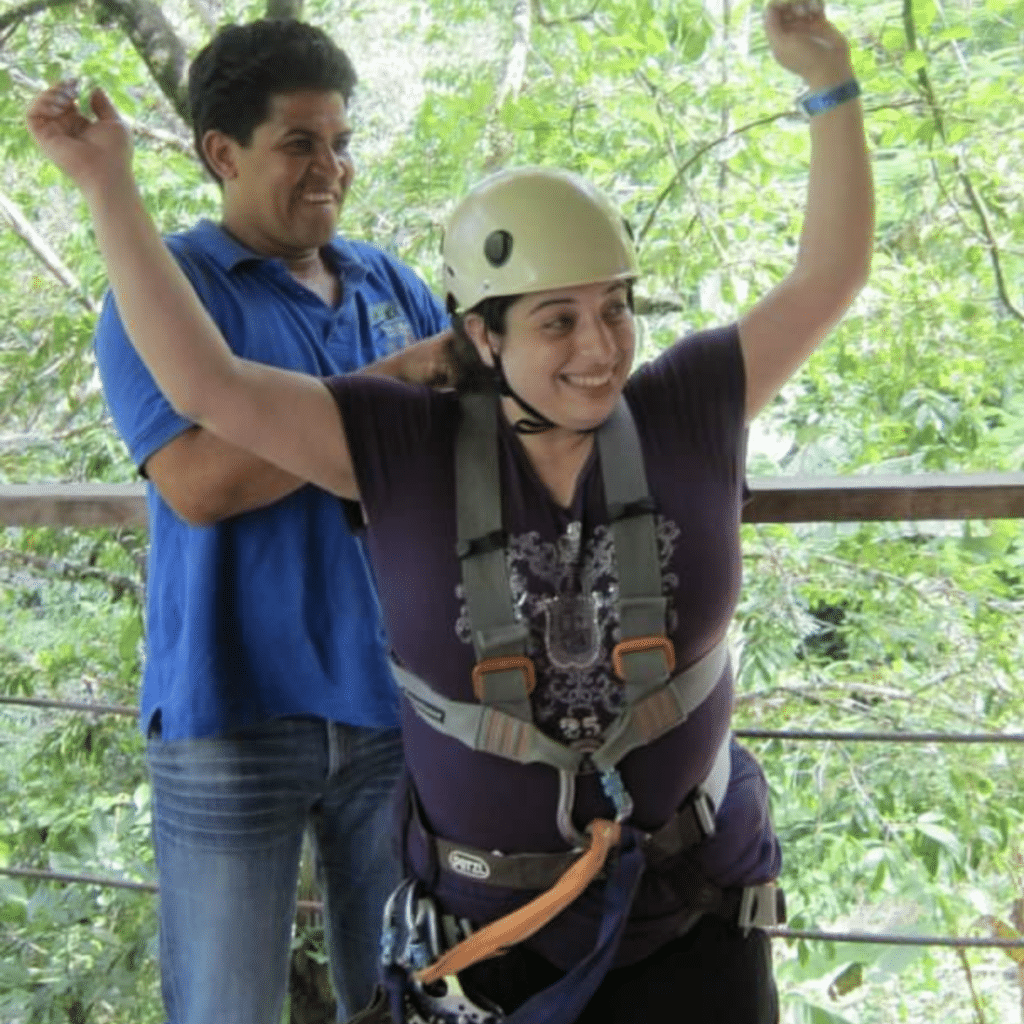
422,362
805,42
95,152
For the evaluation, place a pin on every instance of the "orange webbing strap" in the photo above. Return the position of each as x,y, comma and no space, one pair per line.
501,935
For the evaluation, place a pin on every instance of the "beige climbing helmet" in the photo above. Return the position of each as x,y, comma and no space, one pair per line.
532,229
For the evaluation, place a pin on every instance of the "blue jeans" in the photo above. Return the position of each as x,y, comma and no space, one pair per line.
229,815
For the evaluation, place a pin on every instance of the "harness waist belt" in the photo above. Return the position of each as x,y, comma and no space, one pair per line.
693,822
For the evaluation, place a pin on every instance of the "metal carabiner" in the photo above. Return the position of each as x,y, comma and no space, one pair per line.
389,932
414,954
446,1001
615,789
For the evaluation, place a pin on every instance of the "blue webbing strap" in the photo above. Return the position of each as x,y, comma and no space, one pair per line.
563,1002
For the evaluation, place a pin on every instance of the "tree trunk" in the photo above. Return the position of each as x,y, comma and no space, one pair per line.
157,44
284,8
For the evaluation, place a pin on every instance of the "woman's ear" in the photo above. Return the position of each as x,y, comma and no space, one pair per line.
476,330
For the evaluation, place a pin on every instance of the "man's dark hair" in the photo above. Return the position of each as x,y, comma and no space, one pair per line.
234,77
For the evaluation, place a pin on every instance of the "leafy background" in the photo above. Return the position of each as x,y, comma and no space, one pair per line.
677,110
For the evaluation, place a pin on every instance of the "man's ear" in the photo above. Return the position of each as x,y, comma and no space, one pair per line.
474,326
221,151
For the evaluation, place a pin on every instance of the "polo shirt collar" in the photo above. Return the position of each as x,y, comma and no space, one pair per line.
229,253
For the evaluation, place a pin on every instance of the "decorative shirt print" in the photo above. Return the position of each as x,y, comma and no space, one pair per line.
567,593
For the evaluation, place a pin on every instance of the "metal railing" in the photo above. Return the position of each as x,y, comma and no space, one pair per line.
774,500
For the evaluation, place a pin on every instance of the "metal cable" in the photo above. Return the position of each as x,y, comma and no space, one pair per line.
877,938
890,939
757,734
62,876
881,737
111,883
70,705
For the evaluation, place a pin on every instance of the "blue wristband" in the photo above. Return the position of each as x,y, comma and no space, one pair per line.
818,102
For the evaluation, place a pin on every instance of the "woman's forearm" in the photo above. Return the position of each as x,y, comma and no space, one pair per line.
162,315
837,236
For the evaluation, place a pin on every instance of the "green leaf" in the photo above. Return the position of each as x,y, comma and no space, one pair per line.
847,981
942,836
914,62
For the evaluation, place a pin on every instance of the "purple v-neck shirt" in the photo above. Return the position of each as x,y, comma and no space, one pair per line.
688,406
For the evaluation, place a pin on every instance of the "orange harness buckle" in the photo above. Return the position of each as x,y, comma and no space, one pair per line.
643,643
525,665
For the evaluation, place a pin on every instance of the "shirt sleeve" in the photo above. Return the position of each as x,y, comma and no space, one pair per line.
394,432
142,416
693,396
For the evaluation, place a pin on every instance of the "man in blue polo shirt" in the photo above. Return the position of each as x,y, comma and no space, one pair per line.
266,699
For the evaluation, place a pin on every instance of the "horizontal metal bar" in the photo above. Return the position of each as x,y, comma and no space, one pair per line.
878,938
866,498
755,734
890,939
880,737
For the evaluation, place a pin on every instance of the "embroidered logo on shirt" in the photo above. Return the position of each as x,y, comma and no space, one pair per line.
388,318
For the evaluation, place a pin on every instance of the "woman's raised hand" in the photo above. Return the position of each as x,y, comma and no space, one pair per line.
94,151
805,42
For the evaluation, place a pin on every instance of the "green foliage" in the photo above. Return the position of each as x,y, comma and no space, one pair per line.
675,109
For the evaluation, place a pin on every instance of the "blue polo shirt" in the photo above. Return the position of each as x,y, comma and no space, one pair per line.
270,613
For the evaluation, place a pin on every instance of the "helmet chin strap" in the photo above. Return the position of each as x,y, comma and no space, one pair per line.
534,422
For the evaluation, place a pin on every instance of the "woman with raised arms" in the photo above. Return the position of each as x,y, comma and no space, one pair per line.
556,543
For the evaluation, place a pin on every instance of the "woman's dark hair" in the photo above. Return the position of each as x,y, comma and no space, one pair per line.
234,77
469,373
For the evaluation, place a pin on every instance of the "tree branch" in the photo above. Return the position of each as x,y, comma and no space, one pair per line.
41,249
515,63
682,169
499,140
156,42
974,199
179,143
202,11
546,22
645,305
978,205
75,573
10,20
968,974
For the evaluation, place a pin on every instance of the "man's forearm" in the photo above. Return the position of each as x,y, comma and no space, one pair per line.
204,479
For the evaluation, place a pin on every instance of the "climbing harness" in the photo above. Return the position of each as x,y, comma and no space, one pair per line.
422,951
501,722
